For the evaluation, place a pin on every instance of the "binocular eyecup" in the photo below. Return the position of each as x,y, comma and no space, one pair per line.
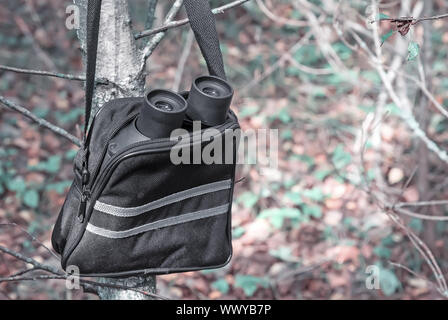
163,112
209,100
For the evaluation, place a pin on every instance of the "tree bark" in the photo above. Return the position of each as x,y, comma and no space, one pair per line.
119,61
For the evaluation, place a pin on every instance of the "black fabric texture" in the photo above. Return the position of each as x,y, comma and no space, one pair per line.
93,23
197,244
65,219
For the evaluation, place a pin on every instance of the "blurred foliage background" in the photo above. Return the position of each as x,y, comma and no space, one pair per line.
305,230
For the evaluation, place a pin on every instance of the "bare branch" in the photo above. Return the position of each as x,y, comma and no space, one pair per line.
147,51
183,60
280,20
33,238
32,278
422,203
51,74
178,23
37,265
404,24
42,122
151,14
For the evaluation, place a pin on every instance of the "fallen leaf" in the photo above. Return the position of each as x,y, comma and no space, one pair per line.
395,175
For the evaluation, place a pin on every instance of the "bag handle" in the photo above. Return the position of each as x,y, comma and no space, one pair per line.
202,22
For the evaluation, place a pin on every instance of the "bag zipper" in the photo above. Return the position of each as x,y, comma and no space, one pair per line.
165,144
85,174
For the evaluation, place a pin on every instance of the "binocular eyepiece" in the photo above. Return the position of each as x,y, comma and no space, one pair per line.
164,110
209,100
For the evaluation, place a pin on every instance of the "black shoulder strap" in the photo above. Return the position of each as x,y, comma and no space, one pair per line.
93,24
202,22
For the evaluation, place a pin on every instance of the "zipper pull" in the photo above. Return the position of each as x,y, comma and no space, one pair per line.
85,196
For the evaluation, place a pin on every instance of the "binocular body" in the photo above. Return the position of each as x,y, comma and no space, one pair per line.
164,111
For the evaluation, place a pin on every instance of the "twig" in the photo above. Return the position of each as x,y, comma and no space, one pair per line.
33,238
398,265
406,114
277,64
22,272
147,51
419,215
415,21
404,23
42,122
57,274
416,241
422,203
152,4
178,23
33,278
183,60
306,69
51,74
277,19
31,261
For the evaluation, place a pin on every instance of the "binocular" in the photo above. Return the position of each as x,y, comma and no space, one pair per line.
164,111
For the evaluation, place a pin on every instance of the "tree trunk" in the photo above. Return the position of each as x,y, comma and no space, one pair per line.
119,61
429,234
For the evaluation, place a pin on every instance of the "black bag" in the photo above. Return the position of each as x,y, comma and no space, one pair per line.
137,212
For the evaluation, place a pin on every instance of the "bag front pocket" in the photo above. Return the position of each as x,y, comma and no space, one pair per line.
143,224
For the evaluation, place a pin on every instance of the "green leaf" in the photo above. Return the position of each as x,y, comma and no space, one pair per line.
322,174
276,216
389,282
248,111
382,252
52,165
383,16
59,187
416,224
17,185
283,253
250,284
31,198
238,232
386,36
70,154
294,197
314,194
248,199
413,50
286,134
313,211
341,158
306,159
282,115
221,285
